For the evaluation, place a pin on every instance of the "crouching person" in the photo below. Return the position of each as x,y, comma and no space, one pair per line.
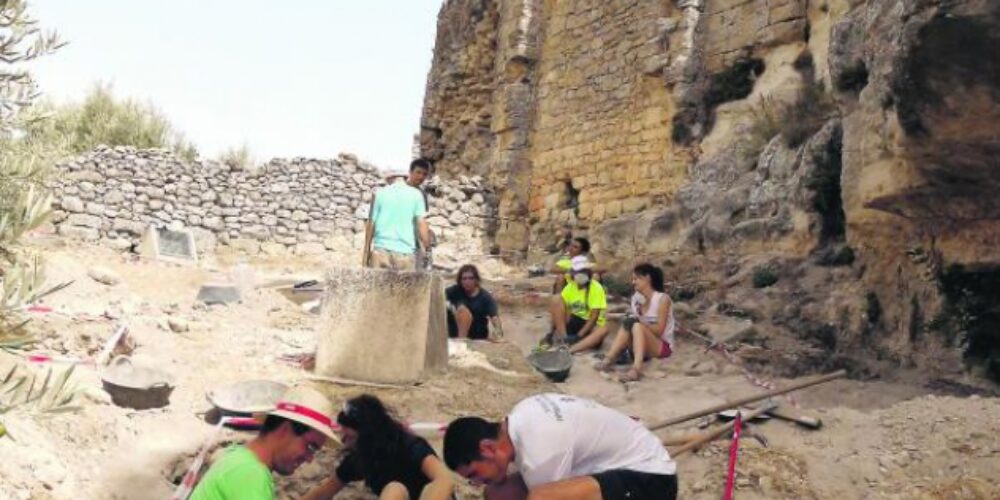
471,309
291,435
564,447
579,312
394,463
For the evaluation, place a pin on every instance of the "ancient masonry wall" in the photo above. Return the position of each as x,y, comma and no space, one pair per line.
569,108
302,205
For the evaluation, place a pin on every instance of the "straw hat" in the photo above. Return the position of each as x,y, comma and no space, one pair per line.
307,406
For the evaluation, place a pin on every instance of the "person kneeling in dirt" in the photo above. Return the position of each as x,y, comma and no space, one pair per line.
393,463
292,433
649,327
470,308
579,311
563,447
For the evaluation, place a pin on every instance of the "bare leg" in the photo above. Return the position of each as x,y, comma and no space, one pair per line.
577,488
511,489
436,490
463,318
617,346
394,491
644,345
557,309
592,340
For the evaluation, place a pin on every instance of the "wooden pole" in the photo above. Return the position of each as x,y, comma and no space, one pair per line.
699,440
802,420
750,399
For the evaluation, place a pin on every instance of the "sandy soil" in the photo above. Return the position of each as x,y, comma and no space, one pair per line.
880,439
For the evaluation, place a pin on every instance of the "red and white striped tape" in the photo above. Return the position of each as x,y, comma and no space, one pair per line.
719,349
734,450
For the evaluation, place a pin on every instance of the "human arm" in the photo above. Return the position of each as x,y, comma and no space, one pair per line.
424,231
663,315
326,490
497,327
369,235
591,322
597,304
442,483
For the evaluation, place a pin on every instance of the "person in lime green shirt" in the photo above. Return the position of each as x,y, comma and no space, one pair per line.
579,311
292,433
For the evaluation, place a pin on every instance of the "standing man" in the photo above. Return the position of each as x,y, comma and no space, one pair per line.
291,435
564,447
396,220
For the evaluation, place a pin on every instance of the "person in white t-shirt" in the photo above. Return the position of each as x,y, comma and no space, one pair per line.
649,327
563,447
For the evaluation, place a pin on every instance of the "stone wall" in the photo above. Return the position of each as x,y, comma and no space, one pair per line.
851,142
303,205
601,142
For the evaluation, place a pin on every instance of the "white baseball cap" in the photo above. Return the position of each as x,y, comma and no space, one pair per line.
579,263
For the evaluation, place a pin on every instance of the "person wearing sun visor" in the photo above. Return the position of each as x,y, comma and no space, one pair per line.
579,310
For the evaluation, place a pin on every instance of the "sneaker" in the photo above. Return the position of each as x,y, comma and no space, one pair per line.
625,358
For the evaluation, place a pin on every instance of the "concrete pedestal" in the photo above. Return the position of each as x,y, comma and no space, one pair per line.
382,326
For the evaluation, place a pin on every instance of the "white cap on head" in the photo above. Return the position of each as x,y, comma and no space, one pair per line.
579,263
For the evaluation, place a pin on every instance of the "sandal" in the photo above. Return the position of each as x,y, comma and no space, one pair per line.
603,367
632,375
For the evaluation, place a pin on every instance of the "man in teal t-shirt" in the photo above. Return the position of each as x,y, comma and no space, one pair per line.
292,433
397,216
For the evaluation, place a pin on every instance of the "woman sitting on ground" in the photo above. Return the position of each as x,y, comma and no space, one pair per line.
471,309
393,462
650,325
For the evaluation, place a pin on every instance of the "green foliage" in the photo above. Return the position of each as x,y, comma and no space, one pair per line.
24,388
237,158
104,119
764,276
795,121
24,203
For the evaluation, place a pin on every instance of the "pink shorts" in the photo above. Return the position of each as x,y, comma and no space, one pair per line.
665,350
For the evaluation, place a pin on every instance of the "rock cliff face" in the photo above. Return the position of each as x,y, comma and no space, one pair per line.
848,147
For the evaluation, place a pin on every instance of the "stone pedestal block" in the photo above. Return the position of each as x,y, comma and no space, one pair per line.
382,326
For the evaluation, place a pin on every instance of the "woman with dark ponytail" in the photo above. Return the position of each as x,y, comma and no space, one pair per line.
649,327
393,462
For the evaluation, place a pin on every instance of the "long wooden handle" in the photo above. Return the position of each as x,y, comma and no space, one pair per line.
803,420
750,399
700,440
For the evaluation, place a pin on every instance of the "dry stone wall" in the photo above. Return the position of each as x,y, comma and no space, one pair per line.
308,206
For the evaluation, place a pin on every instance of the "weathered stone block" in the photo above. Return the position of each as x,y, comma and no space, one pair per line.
84,220
382,326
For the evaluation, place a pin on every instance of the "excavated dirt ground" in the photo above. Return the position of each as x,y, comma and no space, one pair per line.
881,439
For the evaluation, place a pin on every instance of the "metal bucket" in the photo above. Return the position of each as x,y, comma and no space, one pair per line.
246,398
137,387
554,364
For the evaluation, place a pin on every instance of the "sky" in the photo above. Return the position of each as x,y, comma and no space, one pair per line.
293,78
